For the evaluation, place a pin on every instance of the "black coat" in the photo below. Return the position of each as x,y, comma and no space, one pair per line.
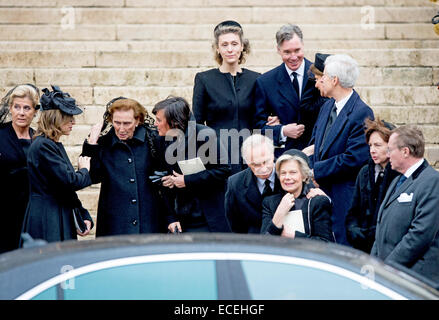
361,219
14,187
206,189
53,185
220,104
243,203
316,217
128,202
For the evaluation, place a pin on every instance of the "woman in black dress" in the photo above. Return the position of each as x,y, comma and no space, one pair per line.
195,198
18,109
53,180
223,97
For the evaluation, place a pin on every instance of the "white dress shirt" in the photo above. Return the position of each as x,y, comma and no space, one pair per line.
261,182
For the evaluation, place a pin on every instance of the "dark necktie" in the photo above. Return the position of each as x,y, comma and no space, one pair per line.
267,189
331,121
296,84
401,180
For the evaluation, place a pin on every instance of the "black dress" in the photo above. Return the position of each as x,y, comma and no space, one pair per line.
14,185
53,185
222,101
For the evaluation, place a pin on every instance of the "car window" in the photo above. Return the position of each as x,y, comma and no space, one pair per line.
173,280
289,281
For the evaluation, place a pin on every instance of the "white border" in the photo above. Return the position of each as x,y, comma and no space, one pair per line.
210,256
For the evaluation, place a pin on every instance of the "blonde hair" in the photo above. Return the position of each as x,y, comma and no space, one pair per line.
303,165
24,91
230,29
50,122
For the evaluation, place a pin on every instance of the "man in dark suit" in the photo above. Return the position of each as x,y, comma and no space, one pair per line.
288,93
339,148
408,220
246,189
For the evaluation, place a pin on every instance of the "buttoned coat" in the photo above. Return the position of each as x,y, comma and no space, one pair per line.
128,202
275,95
344,152
14,186
53,185
408,224
243,203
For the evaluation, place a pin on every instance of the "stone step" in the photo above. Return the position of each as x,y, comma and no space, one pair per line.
153,77
171,59
431,131
148,96
206,45
202,15
380,31
210,3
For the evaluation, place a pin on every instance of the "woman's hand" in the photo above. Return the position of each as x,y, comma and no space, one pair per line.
84,162
87,231
174,225
273,121
313,192
178,180
309,151
167,181
288,234
95,132
283,208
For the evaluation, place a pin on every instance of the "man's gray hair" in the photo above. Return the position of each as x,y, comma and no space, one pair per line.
256,140
287,32
344,67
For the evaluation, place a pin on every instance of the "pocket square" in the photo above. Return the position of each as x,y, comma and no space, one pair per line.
404,197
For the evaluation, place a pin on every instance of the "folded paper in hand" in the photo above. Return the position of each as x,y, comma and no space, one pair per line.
293,221
79,221
191,166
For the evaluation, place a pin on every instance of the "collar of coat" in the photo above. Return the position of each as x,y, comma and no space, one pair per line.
139,136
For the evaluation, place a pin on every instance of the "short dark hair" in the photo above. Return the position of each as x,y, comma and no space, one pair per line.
176,111
383,128
412,138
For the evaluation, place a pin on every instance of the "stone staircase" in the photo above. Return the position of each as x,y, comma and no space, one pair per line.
144,49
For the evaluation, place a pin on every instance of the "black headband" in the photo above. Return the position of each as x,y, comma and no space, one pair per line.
228,23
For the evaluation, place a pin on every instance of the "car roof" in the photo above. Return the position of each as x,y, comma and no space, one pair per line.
28,262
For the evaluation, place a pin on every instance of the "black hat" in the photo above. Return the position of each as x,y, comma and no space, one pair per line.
59,100
297,152
388,125
227,23
319,61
